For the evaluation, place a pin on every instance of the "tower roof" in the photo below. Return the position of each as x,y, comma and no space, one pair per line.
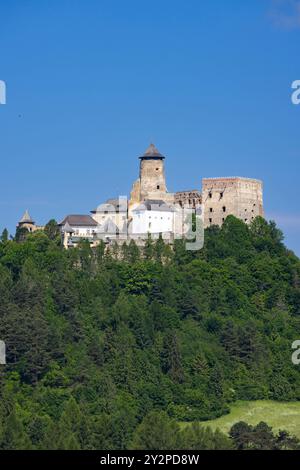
67,228
26,219
152,152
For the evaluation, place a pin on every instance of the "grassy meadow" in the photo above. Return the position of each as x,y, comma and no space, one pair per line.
278,415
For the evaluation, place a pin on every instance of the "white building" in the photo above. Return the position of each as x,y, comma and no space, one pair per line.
111,213
152,216
76,228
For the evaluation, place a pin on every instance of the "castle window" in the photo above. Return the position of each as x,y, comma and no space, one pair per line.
210,209
157,187
246,220
157,169
224,209
223,220
210,221
210,194
221,195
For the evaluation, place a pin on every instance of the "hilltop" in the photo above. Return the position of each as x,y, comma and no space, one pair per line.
97,339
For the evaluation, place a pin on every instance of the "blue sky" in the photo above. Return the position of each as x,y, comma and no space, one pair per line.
90,83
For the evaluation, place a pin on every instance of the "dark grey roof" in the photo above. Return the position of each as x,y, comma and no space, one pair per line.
79,221
152,152
154,205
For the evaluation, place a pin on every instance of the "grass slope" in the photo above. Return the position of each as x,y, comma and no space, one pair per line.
278,415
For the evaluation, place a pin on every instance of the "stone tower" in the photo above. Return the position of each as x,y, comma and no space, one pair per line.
27,222
241,197
151,183
152,174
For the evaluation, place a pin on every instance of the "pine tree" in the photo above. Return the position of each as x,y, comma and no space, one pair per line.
156,431
171,358
14,436
148,248
4,236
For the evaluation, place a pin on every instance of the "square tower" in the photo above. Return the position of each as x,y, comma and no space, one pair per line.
241,197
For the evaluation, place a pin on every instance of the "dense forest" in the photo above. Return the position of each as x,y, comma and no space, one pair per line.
114,349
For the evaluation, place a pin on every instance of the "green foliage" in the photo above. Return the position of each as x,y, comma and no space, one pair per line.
52,230
261,437
109,349
4,235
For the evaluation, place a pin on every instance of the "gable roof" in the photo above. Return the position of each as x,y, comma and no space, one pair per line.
78,220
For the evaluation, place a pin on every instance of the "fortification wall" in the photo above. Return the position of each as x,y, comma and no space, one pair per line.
241,197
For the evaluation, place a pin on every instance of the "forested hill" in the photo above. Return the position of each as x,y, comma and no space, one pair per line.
102,348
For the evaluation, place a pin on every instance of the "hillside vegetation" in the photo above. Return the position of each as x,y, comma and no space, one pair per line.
103,345
278,415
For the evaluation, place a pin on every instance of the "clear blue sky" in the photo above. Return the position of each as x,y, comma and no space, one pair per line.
91,82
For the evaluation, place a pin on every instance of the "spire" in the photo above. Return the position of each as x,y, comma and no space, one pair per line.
26,219
152,152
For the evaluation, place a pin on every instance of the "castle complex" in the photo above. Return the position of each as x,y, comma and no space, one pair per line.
152,209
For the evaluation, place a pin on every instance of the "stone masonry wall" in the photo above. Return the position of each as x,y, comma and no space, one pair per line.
241,197
152,178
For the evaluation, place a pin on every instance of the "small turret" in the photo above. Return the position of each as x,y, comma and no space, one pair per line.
27,222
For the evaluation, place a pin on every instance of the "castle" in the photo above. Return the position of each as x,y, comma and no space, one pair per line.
152,209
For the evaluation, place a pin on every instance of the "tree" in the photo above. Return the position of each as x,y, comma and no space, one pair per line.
171,358
156,431
15,437
261,437
197,437
148,248
4,236
73,428
52,230
21,234
133,252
